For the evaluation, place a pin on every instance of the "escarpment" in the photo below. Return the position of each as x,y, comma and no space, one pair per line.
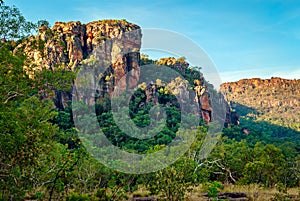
116,44
276,100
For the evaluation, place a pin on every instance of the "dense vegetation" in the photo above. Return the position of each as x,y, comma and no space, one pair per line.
268,101
42,158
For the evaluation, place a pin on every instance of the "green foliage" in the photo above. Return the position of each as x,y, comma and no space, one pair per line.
25,128
12,24
213,189
228,160
77,197
141,118
267,168
174,181
32,164
59,79
43,23
268,107
42,157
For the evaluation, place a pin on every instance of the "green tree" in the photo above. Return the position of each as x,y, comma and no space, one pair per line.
213,189
13,25
31,161
174,181
267,167
25,128
227,160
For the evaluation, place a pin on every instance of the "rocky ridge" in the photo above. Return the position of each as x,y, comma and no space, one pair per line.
68,45
276,100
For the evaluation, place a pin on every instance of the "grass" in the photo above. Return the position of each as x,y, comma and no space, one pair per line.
253,191
141,192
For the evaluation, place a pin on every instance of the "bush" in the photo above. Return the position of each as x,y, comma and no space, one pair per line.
77,197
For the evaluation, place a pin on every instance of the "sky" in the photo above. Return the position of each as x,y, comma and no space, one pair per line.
243,38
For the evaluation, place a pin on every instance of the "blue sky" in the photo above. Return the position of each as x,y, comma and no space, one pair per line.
244,38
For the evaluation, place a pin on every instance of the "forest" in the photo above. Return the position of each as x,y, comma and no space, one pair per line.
42,156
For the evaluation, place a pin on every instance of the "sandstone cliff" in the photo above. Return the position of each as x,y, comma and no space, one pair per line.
276,100
68,45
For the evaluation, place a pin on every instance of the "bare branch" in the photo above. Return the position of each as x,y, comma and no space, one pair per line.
12,95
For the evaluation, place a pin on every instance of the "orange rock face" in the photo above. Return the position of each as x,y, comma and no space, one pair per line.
68,44
115,44
276,100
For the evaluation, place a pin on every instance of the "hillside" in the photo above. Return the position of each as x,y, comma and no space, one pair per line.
273,103
132,135
115,45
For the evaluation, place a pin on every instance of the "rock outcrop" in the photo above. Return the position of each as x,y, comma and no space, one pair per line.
202,91
68,44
